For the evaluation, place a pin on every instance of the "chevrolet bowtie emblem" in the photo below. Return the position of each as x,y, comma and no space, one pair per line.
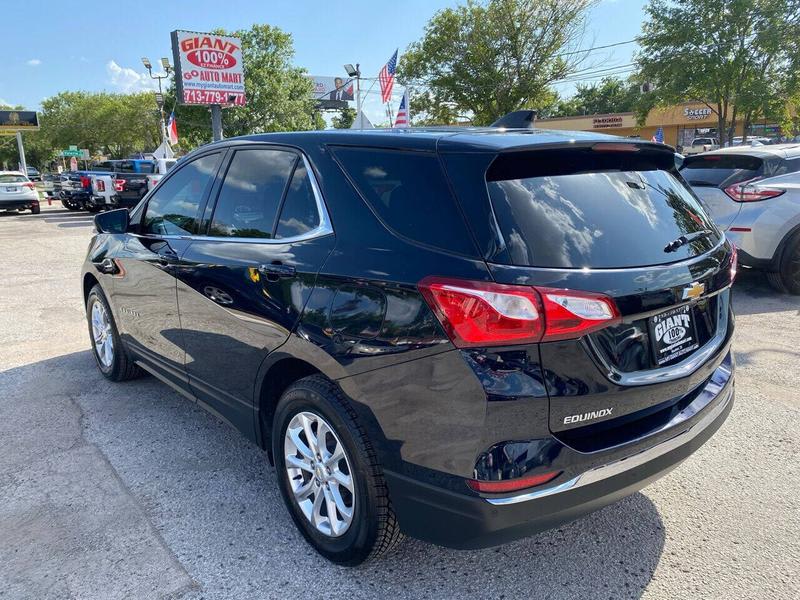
695,290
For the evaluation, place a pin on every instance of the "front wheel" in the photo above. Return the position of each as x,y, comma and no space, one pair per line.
329,475
111,356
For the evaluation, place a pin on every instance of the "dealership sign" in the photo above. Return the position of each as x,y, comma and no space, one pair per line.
697,113
208,68
12,121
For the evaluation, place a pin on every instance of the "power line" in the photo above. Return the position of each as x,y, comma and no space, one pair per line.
593,48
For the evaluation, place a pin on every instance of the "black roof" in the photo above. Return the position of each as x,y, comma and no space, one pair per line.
452,139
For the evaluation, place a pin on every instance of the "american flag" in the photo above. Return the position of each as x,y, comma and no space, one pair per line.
386,78
402,112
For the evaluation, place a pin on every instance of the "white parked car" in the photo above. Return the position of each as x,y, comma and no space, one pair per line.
17,192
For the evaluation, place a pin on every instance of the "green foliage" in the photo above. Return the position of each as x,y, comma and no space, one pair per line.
345,118
480,61
278,94
738,56
610,95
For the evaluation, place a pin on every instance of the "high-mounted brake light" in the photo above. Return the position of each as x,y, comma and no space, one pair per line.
747,192
479,313
511,485
614,147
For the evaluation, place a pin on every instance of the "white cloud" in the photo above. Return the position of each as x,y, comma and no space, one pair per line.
34,62
127,80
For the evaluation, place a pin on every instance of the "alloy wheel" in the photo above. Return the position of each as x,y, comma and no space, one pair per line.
319,474
102,335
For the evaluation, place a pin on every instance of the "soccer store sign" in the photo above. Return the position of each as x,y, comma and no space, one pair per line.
208,68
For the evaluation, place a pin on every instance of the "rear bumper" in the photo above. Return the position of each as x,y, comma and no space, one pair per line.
461,520
18,203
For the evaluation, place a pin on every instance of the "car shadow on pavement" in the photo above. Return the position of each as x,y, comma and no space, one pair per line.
213,498
753,295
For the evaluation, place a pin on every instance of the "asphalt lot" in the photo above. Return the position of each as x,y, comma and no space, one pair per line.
131,491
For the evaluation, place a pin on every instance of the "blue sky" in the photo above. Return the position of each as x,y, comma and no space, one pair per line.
82,45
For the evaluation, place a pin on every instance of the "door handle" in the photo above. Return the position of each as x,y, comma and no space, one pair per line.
277,269
167,257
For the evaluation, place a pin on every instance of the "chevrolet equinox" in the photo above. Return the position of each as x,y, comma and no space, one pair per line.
462,335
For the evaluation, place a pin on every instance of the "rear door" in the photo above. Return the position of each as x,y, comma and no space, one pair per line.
244,283
624,225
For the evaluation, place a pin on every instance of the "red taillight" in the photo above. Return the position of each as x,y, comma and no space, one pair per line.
734,261
100,185
119,185
85,182
30,186
511,485
746,192
478,313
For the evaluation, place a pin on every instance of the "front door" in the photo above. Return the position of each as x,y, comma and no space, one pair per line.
242,286
145,293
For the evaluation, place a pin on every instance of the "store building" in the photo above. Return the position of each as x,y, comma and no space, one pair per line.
680,123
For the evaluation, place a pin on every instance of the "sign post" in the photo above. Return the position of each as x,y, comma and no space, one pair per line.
21,148
209,72
15,122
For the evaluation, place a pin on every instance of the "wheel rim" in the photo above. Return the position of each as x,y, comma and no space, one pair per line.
102,335
319,474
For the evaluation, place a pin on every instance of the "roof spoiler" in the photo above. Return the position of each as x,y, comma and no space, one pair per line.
519,119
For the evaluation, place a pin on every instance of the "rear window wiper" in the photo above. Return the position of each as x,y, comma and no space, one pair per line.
685,239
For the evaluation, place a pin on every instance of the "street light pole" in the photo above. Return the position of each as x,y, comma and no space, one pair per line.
160,97
356,73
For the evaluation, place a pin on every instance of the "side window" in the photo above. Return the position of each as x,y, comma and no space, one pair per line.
299,213
251,193
409,192
173,209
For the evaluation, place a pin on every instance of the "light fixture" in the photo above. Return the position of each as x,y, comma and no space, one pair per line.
146,63
165,64
351,70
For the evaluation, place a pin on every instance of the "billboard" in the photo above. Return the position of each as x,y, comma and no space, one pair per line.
12,121
333,88
208,68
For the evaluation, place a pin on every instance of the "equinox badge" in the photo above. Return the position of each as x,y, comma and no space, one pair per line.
595,414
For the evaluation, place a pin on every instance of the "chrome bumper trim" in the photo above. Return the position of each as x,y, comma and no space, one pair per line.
624,464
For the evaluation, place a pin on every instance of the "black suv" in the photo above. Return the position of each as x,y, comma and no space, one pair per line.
466,336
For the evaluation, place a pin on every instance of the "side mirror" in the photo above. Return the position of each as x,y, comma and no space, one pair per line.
113,221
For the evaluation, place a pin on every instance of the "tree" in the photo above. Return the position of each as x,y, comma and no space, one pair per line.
112,124
610,95
733,55
278,94
345,118
480,61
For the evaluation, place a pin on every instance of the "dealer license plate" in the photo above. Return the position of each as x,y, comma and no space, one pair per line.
673,334
12,189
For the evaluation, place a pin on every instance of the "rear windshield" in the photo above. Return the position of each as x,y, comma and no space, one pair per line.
13,179
703,141
721,170
595,216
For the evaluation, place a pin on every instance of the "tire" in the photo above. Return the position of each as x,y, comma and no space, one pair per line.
69,205
373,529
114,361
36,209
93,208
787,280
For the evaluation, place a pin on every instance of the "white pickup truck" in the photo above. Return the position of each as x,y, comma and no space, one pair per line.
702,144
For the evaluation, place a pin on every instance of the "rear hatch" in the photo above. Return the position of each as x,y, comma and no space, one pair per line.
614,219
710,174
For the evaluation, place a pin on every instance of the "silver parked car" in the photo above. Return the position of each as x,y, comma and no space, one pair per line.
754,195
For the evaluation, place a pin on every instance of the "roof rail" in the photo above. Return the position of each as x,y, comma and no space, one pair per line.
519,119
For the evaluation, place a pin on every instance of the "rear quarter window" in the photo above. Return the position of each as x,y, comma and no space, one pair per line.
409,194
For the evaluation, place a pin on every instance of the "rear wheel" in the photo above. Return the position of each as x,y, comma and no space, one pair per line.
36,209
111,356
788,278
329,475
